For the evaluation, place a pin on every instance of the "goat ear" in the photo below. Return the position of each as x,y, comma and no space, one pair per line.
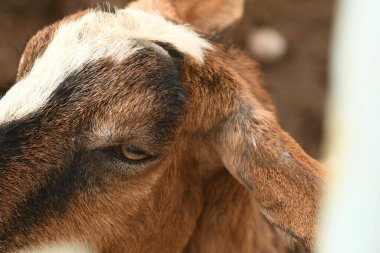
284,179
206,16
164,8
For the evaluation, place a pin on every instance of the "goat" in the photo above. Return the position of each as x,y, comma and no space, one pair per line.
133,130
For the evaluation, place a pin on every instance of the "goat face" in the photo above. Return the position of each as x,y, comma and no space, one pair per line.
117,123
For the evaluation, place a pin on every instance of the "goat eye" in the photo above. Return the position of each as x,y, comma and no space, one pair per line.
132,154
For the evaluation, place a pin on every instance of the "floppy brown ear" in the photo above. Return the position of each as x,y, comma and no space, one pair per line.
287,183
207,16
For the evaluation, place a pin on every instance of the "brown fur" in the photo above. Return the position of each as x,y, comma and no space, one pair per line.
226,177
223,12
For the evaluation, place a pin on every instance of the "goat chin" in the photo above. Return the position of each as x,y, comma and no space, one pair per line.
60,248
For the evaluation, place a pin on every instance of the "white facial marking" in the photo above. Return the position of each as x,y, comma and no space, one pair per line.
60,248
152,27
95,35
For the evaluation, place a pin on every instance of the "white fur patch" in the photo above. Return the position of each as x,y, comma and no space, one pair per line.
60,248
152,27
95,35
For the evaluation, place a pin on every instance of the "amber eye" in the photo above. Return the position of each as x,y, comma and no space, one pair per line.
133,154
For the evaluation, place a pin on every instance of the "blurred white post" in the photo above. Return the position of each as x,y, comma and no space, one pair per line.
351,219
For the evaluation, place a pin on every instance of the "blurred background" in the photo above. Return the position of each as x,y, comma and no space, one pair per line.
289,38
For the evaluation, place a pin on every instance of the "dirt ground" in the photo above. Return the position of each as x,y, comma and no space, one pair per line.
297,81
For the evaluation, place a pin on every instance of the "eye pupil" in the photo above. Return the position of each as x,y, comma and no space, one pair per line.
132,153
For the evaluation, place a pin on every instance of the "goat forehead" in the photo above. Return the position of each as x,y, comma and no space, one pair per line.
93,36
